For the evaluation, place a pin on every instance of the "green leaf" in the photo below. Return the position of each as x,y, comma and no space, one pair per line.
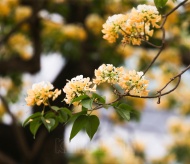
53,115
92,125
87,103
75,116
160,3
125,106
62,117
66,110
49,123
135,115
124,111
99,98
50,114
79,124
55,108
82,97
34,126
32,117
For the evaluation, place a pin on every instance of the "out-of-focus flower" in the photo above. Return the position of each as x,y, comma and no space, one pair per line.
40,93
4,8
108,73
50,26
116,6
126,51
76,87
94,23
2,109
172,55
11,3
21,45
6,84
22,12
138,146
135,82
72,31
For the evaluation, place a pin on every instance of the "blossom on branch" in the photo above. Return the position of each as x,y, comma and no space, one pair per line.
108,73
40,93
134,27
76,87
112,27
134,83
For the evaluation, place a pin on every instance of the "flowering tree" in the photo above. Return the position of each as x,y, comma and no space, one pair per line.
134,27
142,26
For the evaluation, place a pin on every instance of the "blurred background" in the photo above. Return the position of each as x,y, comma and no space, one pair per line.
56,40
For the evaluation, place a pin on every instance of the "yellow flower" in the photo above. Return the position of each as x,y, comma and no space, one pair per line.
2,109
4,9
22,12
94,23
72,31
11,3
126,51
135,82
40,93
134,27
77,87
108,73
112,27
21,45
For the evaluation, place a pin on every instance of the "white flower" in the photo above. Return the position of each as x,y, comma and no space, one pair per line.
144,8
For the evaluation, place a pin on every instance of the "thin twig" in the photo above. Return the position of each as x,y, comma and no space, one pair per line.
159,52
158,95
151,44
163,34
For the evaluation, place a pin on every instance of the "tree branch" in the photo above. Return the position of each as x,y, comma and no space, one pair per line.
6,159
21,140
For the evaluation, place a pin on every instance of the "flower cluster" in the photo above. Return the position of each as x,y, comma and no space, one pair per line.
113,26
134,83
6,7
40,93
76,87
22,12
20,44
94,23
61,32
108,73
134,27
131,81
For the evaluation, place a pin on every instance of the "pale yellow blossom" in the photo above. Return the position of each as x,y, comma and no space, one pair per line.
20,44
40,93
112,27
94,23
135,83
22,12
108,73
73,31
76,87
4,9
134,26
